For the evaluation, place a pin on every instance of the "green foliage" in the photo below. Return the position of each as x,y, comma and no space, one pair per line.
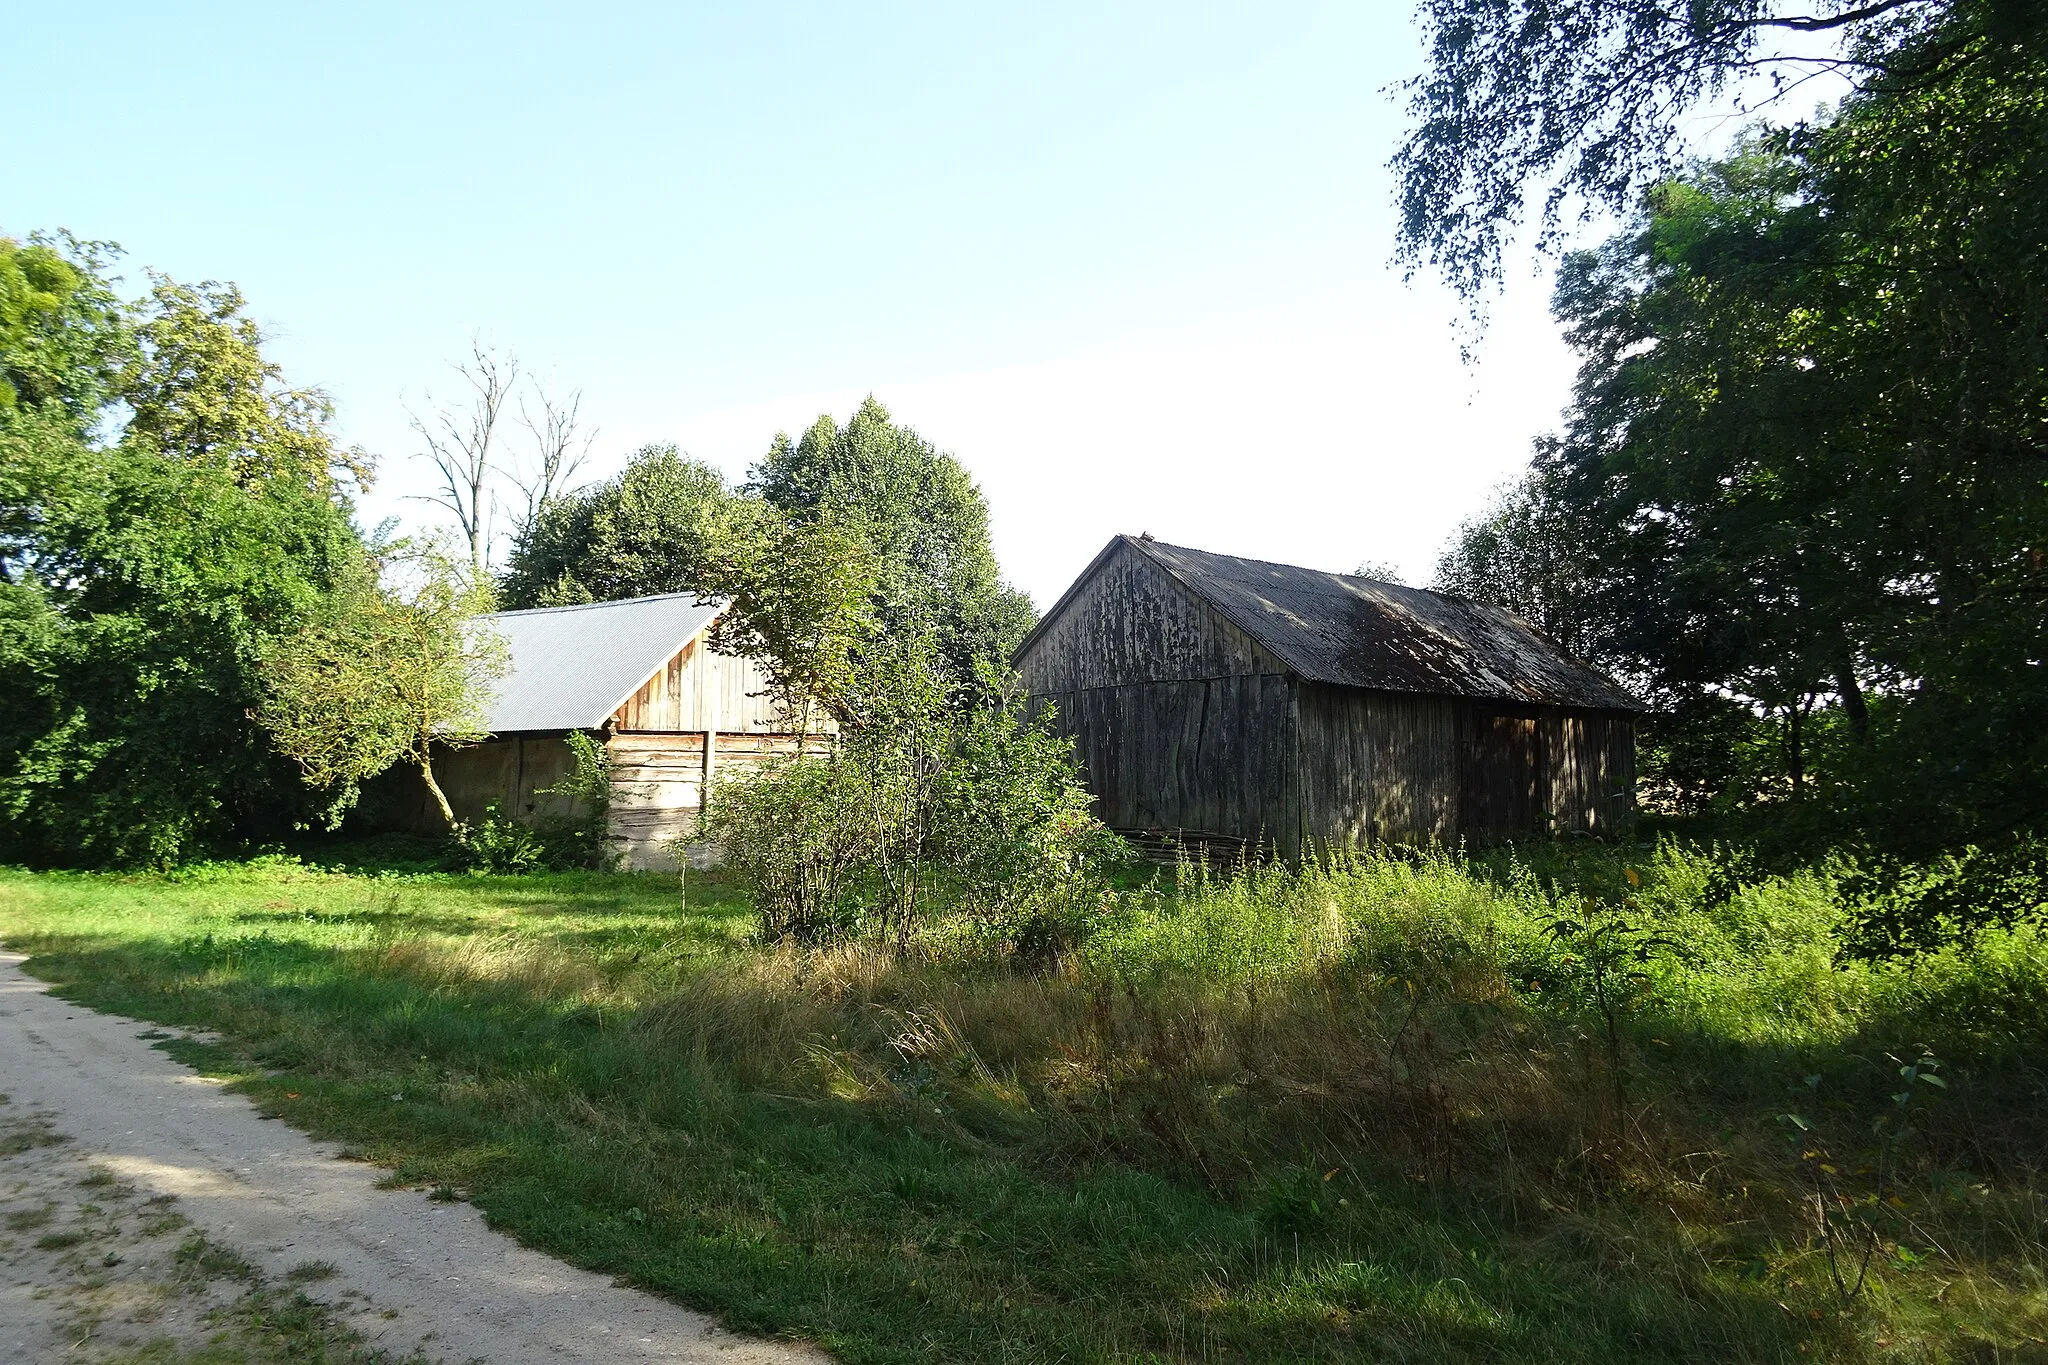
504,847
1798,498
803,603
852,539
1522,553
577,831
924,527
1015,832
64,337
802,837
207,395
665,523
1904,906
922,804
1590,99
387,670
141,576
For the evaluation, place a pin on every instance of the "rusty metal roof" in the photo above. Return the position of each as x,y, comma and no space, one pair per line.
1358,632
571,667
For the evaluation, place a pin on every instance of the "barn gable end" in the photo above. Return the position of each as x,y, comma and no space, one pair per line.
1183,721
1125,620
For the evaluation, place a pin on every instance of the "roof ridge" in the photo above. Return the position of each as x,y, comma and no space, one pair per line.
701,598
1305,568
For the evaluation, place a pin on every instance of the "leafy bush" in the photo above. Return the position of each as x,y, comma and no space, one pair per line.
577,836
982,813
580,836
1905,906
495,844
803,837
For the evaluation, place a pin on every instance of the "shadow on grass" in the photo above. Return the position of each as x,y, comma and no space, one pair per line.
879,1224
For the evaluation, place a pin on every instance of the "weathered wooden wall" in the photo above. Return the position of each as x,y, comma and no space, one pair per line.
1410,767
1592,770
702,689
1378,765
1130,623
508,772
1182,721
658,785
1213,756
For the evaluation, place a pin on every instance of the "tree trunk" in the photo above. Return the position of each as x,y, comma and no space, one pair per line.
1795,749
1853,705
440,798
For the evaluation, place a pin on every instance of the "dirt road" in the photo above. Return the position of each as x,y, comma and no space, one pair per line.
139,1200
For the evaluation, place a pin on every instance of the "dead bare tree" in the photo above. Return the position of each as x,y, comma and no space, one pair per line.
459,440
560,447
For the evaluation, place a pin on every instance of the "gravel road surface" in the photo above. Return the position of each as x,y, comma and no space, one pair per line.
106,1138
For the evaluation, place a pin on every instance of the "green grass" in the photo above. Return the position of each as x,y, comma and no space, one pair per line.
1367,1114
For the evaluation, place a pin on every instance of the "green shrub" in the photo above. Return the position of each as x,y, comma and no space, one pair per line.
803,837
977,812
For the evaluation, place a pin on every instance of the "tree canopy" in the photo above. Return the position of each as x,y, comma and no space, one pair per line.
1806,465
665,523
923,522
393,666
849,534
1582,102
142,566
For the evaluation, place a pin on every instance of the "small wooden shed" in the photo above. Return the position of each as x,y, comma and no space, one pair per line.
642,675
1217,697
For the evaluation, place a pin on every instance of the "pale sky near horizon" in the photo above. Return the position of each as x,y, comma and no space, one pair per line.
1132,268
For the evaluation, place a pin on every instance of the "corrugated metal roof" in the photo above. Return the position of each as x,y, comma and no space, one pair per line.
573,666
1359,632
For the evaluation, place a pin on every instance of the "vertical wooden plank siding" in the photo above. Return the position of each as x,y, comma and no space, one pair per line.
1415,768
1212,756
1379,765
658,784
702,689
702,714
1132,623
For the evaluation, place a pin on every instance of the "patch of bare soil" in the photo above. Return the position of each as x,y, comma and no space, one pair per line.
96,1271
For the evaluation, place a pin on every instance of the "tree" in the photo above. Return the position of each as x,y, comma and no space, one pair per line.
1521,554
666,523
804,600
64,336
560,446
925,525
387,671
461,444
1586,97
1380,571
1803,466
144,569
203,392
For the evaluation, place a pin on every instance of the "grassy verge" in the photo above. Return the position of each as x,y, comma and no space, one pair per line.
1380,1112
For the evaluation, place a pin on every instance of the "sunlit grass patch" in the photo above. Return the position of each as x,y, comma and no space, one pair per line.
1363,1109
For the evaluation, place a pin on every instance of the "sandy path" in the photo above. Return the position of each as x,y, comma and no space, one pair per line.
281,1200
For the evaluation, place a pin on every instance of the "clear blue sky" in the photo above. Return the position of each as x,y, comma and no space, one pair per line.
1132,268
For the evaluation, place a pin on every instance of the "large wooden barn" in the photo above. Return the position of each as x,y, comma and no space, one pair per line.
1216,697
641,674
